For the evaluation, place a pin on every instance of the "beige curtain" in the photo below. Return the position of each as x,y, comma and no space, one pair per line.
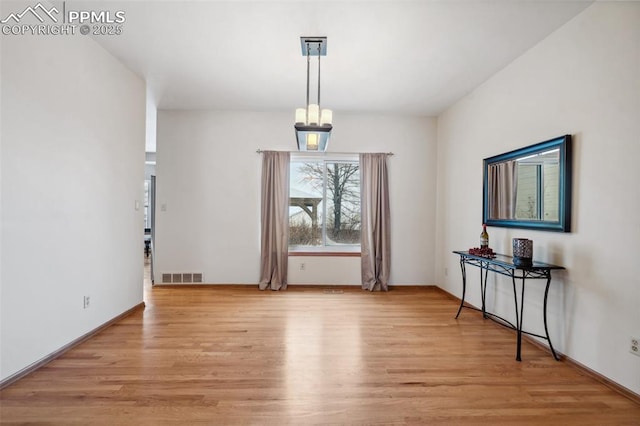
503,187
274,220
376,243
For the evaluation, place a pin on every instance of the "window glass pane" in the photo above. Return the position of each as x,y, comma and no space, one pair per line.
305,203
324,204
551,187
147,218
343,203
527,192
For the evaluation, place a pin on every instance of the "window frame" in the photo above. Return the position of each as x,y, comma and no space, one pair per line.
324,249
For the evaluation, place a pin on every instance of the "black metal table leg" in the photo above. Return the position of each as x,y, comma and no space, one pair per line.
483,291
464,285
544,313
519,316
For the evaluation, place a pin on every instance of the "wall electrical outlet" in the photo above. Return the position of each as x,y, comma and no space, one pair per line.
634,346
87,302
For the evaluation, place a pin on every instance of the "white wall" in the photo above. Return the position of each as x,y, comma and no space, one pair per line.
73,138
208,177
582,80
151,121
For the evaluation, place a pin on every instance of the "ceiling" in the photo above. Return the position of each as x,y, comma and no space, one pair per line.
403,57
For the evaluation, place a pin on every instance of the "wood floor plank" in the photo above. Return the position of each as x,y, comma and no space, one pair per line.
235,355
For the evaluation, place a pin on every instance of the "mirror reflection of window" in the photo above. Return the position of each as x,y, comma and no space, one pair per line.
527,192
538,182
551,191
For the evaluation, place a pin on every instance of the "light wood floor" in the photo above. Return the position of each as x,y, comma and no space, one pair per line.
233,355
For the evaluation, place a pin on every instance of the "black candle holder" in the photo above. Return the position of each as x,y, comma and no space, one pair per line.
522,252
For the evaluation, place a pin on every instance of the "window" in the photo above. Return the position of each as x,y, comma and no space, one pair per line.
324,203
147,199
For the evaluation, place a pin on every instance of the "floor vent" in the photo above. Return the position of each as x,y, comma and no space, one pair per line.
183,278
333,291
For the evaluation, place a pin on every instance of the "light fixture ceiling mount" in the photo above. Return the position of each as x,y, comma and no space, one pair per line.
313,124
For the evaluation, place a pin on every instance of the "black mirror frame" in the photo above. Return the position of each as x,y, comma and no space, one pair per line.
563,143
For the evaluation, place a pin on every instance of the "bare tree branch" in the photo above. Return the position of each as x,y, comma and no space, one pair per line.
343,193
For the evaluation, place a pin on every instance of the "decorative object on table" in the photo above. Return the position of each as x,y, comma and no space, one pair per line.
484,237
522,252
482,251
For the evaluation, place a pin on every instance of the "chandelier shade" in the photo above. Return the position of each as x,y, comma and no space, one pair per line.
312,138
313,124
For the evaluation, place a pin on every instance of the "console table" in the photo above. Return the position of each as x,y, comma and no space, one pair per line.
503,265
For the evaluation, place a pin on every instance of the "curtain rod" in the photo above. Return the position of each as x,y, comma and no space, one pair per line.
260,151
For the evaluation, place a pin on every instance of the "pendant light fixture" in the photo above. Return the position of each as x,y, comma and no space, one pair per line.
313,124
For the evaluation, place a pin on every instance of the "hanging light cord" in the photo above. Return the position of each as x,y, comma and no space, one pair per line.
309,78
318,77
308,65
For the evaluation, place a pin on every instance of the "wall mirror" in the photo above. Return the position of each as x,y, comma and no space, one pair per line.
530,187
